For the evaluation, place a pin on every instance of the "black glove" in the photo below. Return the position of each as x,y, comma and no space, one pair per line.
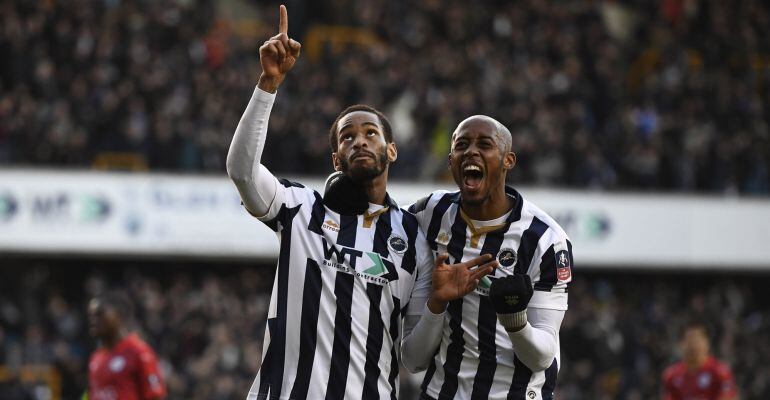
345,196
510,296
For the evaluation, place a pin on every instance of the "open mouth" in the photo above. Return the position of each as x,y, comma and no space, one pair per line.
472,176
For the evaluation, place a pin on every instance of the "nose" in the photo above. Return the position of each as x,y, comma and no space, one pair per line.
471,150
359,141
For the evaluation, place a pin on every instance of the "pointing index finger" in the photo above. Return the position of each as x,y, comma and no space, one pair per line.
283,24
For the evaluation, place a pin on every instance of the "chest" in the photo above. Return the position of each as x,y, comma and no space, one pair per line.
374,250
111,369
698,385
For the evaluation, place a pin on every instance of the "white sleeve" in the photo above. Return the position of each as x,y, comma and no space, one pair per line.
423,284
257,186
537,343
422,336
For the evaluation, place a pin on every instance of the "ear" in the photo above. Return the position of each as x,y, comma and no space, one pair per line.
509,161
336,162
392,152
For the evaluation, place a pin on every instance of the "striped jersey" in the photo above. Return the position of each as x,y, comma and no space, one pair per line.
476,358
341,288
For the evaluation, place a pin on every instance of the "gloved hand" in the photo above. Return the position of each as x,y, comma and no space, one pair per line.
510,296
345,196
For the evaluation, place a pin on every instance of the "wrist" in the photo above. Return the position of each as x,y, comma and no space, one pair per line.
437,306
513,322
269,84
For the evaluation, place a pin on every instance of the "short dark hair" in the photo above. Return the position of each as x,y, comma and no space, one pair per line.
334,143
118,302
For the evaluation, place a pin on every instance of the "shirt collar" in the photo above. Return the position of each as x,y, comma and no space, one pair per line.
518,202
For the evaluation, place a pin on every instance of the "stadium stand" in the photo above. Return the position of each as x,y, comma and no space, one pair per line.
669,95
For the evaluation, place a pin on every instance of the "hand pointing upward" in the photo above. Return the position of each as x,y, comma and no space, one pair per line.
277,55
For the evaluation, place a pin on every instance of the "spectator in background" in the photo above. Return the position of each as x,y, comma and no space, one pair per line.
666,95
123,367
699,375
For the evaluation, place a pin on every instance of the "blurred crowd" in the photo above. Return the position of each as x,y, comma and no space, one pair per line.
621,331
206,329
667,95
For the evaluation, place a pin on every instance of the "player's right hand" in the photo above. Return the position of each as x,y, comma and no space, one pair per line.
451,282
278,55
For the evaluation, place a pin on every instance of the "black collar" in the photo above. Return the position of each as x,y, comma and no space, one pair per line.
389,201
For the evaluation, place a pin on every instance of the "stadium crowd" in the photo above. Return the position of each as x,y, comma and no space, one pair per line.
671,94
620,333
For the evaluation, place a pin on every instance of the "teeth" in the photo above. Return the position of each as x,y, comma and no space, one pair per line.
472,168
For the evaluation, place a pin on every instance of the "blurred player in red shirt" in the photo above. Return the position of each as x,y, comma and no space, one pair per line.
699,376
123,367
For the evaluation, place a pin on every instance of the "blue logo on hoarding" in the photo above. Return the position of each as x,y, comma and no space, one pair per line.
8,207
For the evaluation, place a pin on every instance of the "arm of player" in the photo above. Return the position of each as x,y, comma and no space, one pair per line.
727,388
536,344
422,335
532,313
257,186
150,381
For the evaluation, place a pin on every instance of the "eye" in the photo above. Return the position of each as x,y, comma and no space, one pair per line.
461,145
346,138
371,133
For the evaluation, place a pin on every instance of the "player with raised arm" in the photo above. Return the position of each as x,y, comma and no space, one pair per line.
348,261
123,367
502,340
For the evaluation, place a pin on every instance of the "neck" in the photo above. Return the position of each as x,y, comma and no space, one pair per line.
497,204
696,362
377,188
111,341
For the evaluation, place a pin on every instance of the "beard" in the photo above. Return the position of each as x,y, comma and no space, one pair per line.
362,174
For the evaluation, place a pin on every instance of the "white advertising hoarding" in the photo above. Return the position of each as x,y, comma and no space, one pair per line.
45,211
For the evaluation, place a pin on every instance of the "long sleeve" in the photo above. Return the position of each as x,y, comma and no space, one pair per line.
257,186
422,336
537,343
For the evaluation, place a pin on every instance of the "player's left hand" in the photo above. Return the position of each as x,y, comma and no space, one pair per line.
511,294
278,55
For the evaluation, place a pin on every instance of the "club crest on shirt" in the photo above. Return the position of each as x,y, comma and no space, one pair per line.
704,380
506,258
397,244
563,267
117,364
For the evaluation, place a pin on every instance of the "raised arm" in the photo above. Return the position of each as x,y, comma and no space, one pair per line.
257,186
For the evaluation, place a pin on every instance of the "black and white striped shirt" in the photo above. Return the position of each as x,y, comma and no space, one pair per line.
342,286
476,358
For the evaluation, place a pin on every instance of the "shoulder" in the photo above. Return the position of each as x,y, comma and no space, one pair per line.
720,368
672,371
430,201
297,188
97,354
554,230
137,345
